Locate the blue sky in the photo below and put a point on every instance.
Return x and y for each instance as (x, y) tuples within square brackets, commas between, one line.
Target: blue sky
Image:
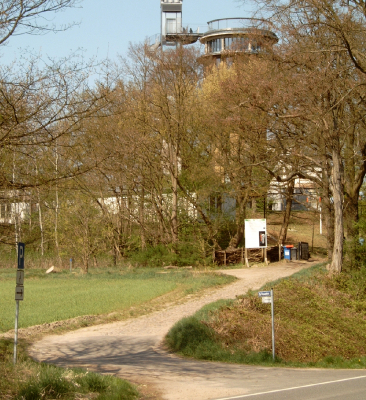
[(106, 27)]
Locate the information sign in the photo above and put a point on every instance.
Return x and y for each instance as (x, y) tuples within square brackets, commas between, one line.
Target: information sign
[(266, 293), (255, 233), (267, 300)]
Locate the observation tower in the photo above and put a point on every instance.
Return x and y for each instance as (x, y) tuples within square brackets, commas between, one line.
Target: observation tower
[(228, 37), (172, 31), (224, 38)]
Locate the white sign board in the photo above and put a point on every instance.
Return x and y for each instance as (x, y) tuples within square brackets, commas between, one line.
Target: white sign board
[(267, 300), (20, 277), (255, 233), (19, 293)]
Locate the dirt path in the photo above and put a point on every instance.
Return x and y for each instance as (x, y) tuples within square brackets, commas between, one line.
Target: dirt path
[(131, 349)]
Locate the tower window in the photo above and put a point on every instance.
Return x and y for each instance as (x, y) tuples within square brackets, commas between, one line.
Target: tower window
[(214, 46)]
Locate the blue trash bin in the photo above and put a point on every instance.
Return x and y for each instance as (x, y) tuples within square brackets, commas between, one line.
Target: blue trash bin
[(287, 253)]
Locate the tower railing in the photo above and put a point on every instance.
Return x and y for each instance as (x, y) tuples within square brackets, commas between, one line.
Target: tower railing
[(239, 23)]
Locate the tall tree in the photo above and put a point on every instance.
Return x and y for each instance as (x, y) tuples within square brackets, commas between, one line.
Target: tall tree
[(322, 44)]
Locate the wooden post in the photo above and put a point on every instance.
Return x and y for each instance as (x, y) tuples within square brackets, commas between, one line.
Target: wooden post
[(213, 255), (225, 258), (242, 255), (265, 255), (246, 258), (279, 252)]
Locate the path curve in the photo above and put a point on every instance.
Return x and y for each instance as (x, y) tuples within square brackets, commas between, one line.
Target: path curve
[(132, 349)]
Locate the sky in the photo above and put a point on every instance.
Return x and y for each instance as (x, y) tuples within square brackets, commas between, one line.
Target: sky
[(106, 27)]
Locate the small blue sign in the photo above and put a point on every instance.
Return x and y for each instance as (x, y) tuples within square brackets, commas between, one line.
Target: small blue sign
[(264, 294), (21, 249)]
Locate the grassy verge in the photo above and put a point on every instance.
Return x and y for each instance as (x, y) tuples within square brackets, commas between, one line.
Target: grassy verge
[(63, 296), (32, 381), (320, 321)]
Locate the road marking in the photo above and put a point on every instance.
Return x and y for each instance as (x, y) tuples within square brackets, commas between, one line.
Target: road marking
[(292, 388)]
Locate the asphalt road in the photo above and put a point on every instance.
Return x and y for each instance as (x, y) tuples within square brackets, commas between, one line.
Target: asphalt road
[(343, 389)]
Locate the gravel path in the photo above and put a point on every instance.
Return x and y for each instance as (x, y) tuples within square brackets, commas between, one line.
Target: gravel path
[(132, 349)]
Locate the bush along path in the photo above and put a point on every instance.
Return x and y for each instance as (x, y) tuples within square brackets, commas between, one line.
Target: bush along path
[(133, 349)]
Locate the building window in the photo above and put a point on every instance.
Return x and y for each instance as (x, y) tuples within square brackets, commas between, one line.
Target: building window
[(228, 43), (214, 46), (215, 204), (5, 211)]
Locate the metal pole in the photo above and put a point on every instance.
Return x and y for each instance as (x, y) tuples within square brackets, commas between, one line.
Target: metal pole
[(273, 330), (70, 264), (16, 331)]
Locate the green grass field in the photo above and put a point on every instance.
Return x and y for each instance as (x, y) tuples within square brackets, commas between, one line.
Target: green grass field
[(61, 296)]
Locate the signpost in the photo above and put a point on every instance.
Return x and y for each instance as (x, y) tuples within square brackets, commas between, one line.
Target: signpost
[(267, 297), (19, 293)]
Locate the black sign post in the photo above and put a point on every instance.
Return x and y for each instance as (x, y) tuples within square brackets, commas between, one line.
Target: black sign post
[(19, 293), (21, 248)]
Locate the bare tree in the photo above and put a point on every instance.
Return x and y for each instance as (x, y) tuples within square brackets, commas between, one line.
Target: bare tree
[(22, 17)]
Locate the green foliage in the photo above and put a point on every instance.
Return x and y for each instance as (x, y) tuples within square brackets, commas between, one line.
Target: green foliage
[(354, 254), (189, 334), (118, 390), (55, 383), (226, 230), (49, 384), (82, 229), (92, 382), (181, 254)]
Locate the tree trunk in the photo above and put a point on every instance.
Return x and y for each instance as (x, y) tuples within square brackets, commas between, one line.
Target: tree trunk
[(337, 256), (328, 213), (57, 207), (142, 218), (14, 212), (239, 219), (40, 220), (286, 218), (174, 179)]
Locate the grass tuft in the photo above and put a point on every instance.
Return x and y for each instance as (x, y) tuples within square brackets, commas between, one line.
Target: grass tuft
[(188, 335), (29, 380)]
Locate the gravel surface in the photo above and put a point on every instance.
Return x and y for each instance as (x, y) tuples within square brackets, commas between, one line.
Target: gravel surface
[(132, 349)]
